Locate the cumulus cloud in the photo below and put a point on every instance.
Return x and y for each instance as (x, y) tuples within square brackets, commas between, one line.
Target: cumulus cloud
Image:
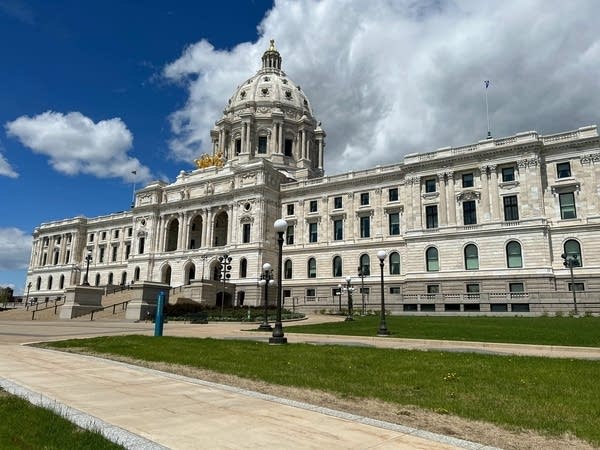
[(15, 249), (389, 77), (5, 167), (75, 144)]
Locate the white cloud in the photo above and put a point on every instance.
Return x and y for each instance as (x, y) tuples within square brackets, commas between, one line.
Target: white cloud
[(388, 78), (5, 167), (15, 249), (75, 144)]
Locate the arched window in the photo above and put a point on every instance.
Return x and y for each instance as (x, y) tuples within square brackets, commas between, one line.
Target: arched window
[(394, 263), (243, 267), (287, 270), (136, 274), (337, 266), (172, 236), (312, 268), (514, 257), (38, 283), (365, 265), (123, 278), (61, 282), (97, 280), (49, 286), (166, 274), (110, 278), (471, 257), (573, 250), (432, 259)]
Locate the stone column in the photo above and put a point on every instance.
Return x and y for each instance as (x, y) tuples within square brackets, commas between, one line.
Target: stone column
[(280, 133), (320, 153), (486, 214), (494, 193), (209, 228), (303, 144), (204, 233), (417, 203), (230, 224), (248, 139), (451, 199), (443, 213)]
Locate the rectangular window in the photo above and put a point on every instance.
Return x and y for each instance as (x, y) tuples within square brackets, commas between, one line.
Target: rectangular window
[(69, 238), (511, 207), (469, 213), (433, 288), (394, 224), (310, 292), (508, 174), (91, 239), (57, 239), (563, 170), (364, 199), (337, 203), (431, 216), (289, 235), (467, 180), (516, 287), (129, 231), (262, 144), (473, 288), (365, 227), (578, 287), (238, 146), (338, 230), (288, 147), (313, 206), (113, 257), (287, 293), (393, 194), (127, 251), (290, 209), (104, 235), (395, 290), (246, 233), (68, 257), (430, 185), (116, 234), (101, 256), (567, 206), (312, 232)]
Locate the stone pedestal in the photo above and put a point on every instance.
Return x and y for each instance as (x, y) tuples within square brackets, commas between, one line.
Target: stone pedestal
[(145, 299), (81, 300)]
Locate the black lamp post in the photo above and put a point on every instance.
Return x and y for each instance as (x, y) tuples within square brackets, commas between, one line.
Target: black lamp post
[(88, 258), (570, 262), (349, 289), (340, 287), (280, 226), (27, 296), (266, 280), (361, 274), (225, 262), (383, 331)]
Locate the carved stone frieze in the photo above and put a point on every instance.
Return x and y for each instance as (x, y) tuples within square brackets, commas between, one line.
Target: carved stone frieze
[(590, 158), (468, 195)]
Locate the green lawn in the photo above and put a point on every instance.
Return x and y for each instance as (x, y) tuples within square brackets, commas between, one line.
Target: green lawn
[(24, 426), (551, 396), (570, 331)]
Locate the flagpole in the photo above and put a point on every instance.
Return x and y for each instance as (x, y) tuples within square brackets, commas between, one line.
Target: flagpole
[(487, 110), (134, 172)]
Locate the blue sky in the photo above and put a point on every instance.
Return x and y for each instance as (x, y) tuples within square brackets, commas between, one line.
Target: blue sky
[(93, 90)]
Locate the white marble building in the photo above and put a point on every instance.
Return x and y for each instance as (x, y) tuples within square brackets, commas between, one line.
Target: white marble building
[(490, 217)]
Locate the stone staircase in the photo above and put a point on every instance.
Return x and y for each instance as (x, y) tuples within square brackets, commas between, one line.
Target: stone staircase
[(21, 313)]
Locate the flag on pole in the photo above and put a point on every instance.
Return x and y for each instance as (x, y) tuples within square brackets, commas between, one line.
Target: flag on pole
[(487, 83)]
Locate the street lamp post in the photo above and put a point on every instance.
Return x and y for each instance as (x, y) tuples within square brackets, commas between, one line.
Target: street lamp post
[(280, 226), (362, 288), (266, 280), (27, 296), (383, 331), (88, 258), (349, 289), (225, 262), (340, 287), (570, 262)]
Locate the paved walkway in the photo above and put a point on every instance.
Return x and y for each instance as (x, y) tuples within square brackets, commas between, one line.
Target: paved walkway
[(144, 408)]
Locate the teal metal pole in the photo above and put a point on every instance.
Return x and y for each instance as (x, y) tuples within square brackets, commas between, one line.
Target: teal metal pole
[(158, 320)]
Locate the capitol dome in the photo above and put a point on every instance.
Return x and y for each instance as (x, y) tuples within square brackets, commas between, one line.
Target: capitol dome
[(270, 117), (270, 87)]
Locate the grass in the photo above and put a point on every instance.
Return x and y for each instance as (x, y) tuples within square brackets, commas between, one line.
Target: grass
[(25, 426), (569, 331), (552, 396)]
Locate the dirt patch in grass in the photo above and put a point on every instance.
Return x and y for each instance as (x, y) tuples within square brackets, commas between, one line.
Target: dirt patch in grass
[(480, 432)]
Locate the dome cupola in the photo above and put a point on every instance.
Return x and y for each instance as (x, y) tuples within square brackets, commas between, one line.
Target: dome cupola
[(271, 60)]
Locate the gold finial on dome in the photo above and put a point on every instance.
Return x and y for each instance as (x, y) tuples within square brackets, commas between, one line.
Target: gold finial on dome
[(272, 46), (271, 58)]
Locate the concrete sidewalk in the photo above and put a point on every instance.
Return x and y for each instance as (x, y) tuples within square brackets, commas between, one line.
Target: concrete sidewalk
[(184, 413)]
